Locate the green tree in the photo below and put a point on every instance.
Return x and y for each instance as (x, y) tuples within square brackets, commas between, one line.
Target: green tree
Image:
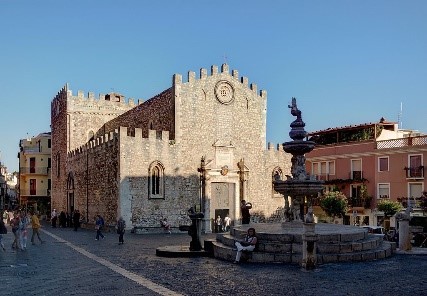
[(389, 207), (334, 203)]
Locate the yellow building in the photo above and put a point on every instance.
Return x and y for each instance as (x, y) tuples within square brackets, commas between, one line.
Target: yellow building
[(35, 172)]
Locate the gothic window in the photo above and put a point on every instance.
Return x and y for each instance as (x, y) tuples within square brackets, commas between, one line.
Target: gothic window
[(156, 180), (70, 181), (277, 174)]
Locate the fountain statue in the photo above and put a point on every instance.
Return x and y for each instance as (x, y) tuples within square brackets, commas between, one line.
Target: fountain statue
[(300, 187), (297, 240)]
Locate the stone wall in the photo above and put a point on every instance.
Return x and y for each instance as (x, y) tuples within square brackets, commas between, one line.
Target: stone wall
[(94, 169), (219, 116), (156, 113)]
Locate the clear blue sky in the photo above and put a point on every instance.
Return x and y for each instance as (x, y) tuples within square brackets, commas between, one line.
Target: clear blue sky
[(346, 62)]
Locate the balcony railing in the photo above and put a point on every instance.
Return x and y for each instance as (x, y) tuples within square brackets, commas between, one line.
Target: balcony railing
[(402, 142), (364, 202), (35, 170), (415, 202), (30, 192), (356, 175), (415, 172), (322, 177)]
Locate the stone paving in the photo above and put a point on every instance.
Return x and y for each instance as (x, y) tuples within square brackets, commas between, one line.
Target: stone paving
[(73, 263)]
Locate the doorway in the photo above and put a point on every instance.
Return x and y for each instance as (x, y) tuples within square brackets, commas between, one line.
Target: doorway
[(222, 213)]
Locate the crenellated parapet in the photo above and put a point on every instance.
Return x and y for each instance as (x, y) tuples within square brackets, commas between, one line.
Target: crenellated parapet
[(203, 74), (274, 147), (62, 93), (103, 101), (89, 102), (122, 134), (107, 140)]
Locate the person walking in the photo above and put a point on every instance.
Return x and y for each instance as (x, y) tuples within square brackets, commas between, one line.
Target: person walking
[(54, 217), (218, 224), (3, 230), (99, 223), (227, 223), (35, 225), (23, 231), (14, 223), (121, 225), (76, 219)]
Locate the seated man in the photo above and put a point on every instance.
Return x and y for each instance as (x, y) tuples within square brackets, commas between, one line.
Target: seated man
[(165, 225), (248, 244)]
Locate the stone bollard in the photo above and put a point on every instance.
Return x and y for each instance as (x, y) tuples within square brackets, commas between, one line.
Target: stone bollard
[(404, 231), (404, 235), (309, 246)]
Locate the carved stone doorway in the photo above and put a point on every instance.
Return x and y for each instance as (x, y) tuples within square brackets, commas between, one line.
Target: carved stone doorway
[(223, 199)]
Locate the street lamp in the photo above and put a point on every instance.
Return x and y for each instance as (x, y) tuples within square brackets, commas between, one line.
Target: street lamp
[(2, 191)]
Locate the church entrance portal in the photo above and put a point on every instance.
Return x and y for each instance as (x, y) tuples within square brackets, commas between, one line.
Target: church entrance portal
[(223, 196)]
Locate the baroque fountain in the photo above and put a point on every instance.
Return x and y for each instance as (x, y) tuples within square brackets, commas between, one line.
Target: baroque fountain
[(298, 240)]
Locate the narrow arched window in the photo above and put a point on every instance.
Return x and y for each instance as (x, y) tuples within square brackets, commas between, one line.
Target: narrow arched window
[(156, 180)]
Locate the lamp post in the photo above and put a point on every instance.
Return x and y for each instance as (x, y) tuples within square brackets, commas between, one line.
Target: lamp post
[(2, 191)]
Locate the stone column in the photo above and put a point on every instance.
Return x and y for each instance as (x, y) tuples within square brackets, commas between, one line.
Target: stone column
[(404, 232), (309, 246), (404, 235)]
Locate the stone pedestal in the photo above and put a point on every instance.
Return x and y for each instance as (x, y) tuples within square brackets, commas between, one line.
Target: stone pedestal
[(404, 235), (309, 246)]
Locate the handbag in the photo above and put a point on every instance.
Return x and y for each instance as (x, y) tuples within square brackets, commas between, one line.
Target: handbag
[(97, 227)]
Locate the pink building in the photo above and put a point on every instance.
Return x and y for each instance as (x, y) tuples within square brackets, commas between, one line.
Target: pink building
[(370, 162)]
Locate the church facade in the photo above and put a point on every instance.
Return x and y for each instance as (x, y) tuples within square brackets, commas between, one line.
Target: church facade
[(200, 143)]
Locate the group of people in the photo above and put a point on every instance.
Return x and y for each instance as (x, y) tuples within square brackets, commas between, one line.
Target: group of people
[(20, 222), (65, 219), (222, 225), (120, 228)]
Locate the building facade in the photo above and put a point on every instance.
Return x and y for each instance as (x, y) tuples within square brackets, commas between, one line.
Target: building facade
[(35, 172), (200, 143), (370, 162)]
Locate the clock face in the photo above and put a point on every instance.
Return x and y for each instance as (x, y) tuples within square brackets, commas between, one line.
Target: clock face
[(224, 92)]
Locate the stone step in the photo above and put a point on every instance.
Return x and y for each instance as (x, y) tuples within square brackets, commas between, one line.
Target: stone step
[(267, 244), (228, 253)]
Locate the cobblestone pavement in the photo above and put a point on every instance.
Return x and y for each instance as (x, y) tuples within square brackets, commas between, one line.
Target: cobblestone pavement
[(73, 263)]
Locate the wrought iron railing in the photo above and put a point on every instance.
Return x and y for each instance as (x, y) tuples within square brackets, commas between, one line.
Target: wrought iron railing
[(35, 170), (360, 202), (414, 172), (31, 192)]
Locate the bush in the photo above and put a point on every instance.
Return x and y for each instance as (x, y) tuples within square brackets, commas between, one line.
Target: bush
[(334, 203), (389, 207)]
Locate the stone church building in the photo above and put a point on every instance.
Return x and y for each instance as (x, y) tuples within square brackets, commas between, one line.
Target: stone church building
[(200, 143)]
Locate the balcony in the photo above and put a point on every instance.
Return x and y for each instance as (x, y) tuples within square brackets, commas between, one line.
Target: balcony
[(356, 175), (416, 172), (322, 177), (31, 192), (45, 171), (360, 202), (415, 202)]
